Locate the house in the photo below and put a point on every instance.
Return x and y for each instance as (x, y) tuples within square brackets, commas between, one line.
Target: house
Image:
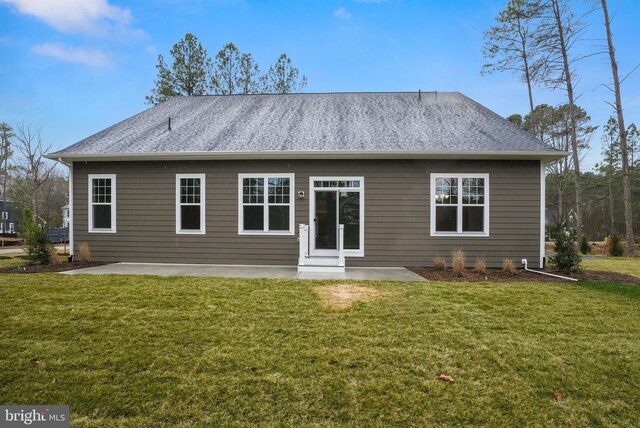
[(10, 216), (314, 180), (66, 219)]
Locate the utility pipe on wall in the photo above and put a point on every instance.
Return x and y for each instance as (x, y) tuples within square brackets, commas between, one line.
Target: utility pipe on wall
[(524, 262)]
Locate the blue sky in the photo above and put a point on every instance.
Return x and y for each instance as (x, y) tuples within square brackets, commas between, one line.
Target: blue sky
[(75, 67)]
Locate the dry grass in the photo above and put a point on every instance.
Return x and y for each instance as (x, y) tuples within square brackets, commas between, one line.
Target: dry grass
[(507, 266), (84, 253), (457, 263), (480, 266), (439, 263), (54, 257), (342, 296)]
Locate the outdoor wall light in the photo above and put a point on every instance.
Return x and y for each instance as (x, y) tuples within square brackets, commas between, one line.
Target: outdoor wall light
[(301, 194)]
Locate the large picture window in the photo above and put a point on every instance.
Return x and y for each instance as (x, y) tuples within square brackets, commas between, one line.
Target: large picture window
[(460, 204), (102, 203), (190, 203), (265, 204)]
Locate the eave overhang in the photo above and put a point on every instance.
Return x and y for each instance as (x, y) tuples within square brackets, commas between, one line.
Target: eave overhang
[(272, 155)]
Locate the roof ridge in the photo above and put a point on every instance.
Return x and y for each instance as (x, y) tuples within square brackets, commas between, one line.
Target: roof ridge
[(318, 93)]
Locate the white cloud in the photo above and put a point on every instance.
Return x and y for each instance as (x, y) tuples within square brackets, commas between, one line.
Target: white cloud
[(342, 13), (91, 57), (92, 17)]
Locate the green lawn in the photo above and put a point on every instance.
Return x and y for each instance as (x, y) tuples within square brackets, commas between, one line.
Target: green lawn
[(20, 259), (12, 260), (613, 264), (133, 351)]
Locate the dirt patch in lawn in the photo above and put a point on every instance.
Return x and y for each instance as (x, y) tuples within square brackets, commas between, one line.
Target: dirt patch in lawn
[(497, 275), (342, 296), (62, 267)]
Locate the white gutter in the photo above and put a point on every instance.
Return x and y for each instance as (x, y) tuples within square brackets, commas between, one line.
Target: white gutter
[(283, 154), (524, 262)]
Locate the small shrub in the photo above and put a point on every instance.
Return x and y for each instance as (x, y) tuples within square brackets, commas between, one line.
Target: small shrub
[(457, 262), (35, 237), (507, 266), (616, 247), (439, 263), (54, 258), (480, 266), (84, 253), (585, 248), (567, 257)]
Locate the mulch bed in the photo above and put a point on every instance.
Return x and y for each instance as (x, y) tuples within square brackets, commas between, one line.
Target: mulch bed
[(62, 267), (497, 275), (432, 274)]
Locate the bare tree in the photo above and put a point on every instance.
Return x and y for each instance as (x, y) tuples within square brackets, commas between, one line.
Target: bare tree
[(54, 196), (32, 166), (510, 45), (6, 134), (559, 31), (553, 126), (624, 150)]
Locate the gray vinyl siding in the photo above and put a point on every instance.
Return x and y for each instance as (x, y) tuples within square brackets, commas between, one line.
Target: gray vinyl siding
[(396, 199)]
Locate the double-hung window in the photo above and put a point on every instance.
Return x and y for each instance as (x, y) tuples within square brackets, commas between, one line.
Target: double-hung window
[(460, 204), (190, 204), (265, 204), (102, 203)]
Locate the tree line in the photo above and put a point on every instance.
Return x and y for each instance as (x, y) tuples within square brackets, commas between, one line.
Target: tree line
[(192, 72), (27, 178), (536, 40)]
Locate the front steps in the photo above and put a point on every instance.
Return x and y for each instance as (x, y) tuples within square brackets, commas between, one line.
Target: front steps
[(321, 264)]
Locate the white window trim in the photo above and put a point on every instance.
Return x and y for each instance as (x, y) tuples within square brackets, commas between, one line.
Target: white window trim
[(459, 233), (292, 199), (312, 209), (202, 204), (112, 229)]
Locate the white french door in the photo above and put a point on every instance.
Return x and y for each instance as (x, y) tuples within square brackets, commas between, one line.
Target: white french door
[(335, 201)]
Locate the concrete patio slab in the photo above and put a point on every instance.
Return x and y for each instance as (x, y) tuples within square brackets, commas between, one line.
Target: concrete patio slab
[(246, 271)]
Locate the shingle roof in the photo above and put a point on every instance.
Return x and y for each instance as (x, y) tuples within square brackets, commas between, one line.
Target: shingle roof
[(340, 123)]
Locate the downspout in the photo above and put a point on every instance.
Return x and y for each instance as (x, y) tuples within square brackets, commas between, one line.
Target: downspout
[(524, 262), (543, 212), (71, 220)]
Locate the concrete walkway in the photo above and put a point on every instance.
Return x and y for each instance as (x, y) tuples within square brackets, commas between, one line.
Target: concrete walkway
[(246, 271)]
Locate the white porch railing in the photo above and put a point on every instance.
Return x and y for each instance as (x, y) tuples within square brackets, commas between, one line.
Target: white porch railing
[(341, 245), (303, 239)]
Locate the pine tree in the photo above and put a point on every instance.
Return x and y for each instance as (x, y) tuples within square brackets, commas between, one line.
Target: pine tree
[(189, 73)]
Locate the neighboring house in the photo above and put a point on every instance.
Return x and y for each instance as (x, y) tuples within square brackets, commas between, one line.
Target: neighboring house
[(10, 217), (376, 179), (66, 218)]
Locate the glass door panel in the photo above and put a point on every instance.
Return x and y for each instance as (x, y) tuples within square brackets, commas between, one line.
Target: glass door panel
[(349, 216), (326, 224)]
